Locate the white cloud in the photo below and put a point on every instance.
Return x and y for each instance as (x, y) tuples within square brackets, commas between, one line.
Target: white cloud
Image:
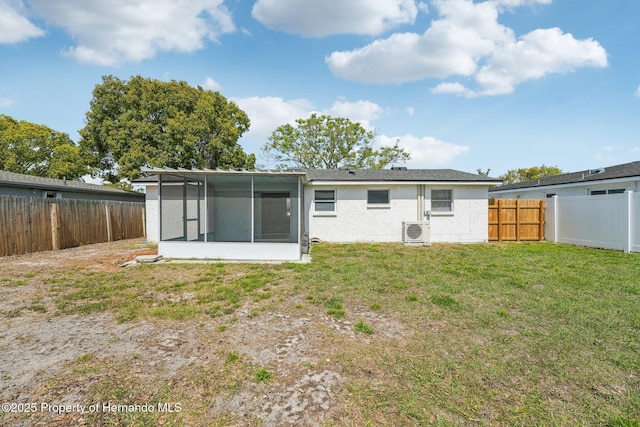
[(14, 26), (363, 112), (515, 3), (211, 84), (466, 36), (119, 31), (410, 111), (7, 102), (268, 113), (535, 55), (638, 92), (319, 18), (452, 45), (453, 89), (425, 151)]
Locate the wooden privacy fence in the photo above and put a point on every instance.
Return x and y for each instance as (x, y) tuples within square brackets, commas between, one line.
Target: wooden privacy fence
[(34, 224), (516, 220)]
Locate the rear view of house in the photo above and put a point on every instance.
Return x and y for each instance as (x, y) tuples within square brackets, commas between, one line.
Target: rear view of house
[(265, 215), (355, 205)]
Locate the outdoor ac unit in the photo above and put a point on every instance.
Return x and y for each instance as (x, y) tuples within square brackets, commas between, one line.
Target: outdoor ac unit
[(416, 232)]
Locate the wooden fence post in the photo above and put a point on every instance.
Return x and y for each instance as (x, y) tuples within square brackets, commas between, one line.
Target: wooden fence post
[(109, 233), (517, 220), (499, 220), (55, 227), (541, 218)]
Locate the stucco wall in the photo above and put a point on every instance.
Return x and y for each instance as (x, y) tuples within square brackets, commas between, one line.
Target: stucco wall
[(469, 221), (354, 221)]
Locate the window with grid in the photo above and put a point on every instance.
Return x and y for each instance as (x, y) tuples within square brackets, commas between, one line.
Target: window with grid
[(325, 200), (442, 200)]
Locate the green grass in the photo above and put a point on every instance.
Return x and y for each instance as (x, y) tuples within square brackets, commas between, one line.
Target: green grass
[(262, 375), (216, 290), (363, 328), (500, 334), (513, 334)]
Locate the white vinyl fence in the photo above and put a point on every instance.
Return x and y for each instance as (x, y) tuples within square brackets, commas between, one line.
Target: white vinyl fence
[(609, 221)]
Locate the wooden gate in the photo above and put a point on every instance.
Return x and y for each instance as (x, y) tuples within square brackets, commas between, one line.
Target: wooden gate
[(516, 220)]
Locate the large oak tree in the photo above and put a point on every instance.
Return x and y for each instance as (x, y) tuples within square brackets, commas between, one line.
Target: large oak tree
[(142, 122), (325, 142), (35, 149)]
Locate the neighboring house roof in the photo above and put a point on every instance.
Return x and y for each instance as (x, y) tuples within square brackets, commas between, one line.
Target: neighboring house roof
[(12, 179), (626, 170), (345, 175)]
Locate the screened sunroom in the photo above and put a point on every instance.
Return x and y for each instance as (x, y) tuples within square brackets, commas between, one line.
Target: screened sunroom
[(235, 214)]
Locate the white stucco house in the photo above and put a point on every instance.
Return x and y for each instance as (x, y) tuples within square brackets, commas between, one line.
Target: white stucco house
[(592, 182), (273, 215)]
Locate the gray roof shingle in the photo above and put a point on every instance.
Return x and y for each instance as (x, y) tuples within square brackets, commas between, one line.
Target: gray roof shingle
[(348, 175), (393, 175), (625, 170), (22, 180)]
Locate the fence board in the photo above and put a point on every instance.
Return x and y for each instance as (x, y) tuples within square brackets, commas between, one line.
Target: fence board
[(516, 220), (26, 223)]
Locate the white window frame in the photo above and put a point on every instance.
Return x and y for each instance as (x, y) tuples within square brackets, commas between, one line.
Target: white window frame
[(327, 201), (451, 201), (379, 205), (609, 191)]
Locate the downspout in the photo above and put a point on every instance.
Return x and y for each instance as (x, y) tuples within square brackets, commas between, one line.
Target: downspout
[(420, 189)]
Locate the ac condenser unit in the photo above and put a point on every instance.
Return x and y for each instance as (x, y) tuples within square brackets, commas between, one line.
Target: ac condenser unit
[(416, 232)]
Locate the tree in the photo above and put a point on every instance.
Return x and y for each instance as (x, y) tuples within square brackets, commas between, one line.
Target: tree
[(325, 142), (149, 123), (529, 174), (35, 149)]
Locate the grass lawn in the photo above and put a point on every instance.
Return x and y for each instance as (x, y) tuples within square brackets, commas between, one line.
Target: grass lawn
[(498, 334)]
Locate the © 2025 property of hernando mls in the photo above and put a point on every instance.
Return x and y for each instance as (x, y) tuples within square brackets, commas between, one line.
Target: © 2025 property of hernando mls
[(273, 215)]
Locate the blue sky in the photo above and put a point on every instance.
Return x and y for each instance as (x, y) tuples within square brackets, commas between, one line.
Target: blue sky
[(462, 84)]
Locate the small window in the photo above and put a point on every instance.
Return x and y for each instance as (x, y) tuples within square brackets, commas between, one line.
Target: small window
[(52, 195), (598, 192), (550, 195), (442, 200), (616, 191), (325, 200), (378, 197)]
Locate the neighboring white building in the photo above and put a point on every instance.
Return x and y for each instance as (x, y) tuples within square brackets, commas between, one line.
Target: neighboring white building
[(608, 180), (263, 215)]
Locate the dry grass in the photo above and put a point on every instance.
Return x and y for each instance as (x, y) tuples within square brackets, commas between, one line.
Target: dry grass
[(501, 334)]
